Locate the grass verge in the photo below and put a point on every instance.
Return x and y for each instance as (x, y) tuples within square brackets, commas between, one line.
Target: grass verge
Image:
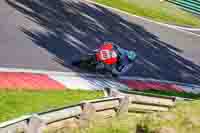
[(184, 118), (17, 103), (156, 10), (161, 93), (173, 93)]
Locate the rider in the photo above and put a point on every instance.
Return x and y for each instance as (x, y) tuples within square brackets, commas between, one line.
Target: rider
[(113, 58)]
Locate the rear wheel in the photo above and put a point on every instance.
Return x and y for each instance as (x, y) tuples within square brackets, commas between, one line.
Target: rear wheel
[(87, 62)]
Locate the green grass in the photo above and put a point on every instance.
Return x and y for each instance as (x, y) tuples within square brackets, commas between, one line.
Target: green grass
[(156, 10), (173, 93), (17, 103), (184, 118), (161, 93)]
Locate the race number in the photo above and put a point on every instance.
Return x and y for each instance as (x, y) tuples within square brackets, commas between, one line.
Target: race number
[(106, 54)]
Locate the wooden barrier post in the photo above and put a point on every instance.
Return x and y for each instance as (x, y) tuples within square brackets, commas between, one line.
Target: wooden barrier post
[(36, 125), (123, 106), (87, 114), (109, 92), (123, 101)]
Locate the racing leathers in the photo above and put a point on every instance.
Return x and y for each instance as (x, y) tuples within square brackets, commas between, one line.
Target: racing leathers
[(115, 59)]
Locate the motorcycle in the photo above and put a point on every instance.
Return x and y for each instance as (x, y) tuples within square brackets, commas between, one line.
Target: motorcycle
[(89, 63)]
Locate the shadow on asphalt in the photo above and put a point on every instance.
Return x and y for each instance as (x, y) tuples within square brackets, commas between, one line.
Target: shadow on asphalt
[(72, 28)]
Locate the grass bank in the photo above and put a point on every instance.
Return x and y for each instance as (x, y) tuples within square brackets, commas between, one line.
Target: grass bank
[(17, 103), (156, 10), (163, 93), (173, 93), (184, 118)]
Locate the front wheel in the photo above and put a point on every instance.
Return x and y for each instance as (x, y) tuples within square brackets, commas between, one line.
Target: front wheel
[(124, 70)]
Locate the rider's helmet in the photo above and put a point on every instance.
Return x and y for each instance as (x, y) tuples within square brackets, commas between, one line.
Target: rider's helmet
[(131, 55)]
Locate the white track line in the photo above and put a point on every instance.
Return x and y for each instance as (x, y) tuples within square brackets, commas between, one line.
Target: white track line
[(47, 72), (178, 28)]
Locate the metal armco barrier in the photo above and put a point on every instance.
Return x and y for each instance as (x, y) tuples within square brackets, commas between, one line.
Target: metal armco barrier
[(188, 5), (115, 103)]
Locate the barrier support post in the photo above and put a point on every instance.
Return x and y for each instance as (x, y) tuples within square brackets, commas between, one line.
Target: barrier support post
[(36, 125), (123, 106), (87, 114)]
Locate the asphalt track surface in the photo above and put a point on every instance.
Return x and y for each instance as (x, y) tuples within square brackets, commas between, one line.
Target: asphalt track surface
[(47, 34)]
